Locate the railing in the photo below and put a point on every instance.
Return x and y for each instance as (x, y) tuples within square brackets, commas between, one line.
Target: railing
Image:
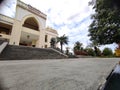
[(2, 46), (31, 31)]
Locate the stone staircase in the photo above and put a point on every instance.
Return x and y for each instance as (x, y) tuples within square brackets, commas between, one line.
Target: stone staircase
[(13, 52)]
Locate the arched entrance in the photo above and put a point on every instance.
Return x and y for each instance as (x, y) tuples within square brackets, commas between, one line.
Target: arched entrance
[(30, 32), (31, 23)]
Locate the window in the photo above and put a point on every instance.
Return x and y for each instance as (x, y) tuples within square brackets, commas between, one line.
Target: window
[(46, 38)]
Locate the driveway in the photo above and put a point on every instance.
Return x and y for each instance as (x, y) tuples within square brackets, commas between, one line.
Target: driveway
[(60, 74)]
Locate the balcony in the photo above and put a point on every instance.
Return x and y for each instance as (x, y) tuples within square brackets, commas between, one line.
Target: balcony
[(4, 36), (6, 20), (30, 31)]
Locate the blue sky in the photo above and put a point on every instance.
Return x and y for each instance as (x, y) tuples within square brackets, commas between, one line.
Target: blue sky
[(69, 17)]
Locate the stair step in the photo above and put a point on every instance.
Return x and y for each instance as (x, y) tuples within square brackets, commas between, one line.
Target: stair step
[(13, 52)]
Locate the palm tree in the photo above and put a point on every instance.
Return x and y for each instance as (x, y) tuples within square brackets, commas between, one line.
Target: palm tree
[(78, 46), (63, 40)]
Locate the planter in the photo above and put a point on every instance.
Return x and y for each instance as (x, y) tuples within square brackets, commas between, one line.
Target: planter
[(80, 53), (117, 52)]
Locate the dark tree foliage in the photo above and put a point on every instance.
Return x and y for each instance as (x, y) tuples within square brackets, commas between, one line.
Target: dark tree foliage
[(53, 42), (78, 46), (105, 28), (90, 51)]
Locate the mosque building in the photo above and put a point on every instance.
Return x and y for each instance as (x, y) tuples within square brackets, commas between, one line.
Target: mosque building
[(27, 28)]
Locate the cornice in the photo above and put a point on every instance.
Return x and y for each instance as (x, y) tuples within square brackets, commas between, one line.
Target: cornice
[(31, 9)]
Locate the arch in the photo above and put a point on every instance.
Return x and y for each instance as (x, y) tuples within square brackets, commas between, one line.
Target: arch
[(31, 23), (31, 16), (30, 37)]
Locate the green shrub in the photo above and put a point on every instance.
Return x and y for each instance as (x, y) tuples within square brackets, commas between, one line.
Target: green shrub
[(107, 52), (90, 51)]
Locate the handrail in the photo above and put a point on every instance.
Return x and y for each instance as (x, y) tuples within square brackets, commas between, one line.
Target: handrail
[(59, 52), (2, 46)]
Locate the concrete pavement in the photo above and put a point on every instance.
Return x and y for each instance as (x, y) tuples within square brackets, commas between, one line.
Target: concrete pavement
[(60, 74)]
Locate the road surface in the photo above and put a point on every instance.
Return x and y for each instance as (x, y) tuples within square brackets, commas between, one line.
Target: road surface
[(61, 74)]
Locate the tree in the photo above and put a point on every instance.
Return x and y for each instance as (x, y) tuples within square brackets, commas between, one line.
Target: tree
[(90, 51), (53, 42), (107, 52), (63, 40), (78, 46), (105, 28), (93, 44), (97, 51), (67, 50)]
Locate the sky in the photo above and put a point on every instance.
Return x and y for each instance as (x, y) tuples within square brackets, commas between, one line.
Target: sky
[(69, 17)]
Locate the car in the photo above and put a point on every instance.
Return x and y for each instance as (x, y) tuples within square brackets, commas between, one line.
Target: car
[(113, 80)]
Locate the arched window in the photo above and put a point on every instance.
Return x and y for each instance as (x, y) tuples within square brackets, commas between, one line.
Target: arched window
[(31, 23)]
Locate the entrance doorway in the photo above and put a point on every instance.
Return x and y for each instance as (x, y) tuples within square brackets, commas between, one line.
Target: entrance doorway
[(30, 32)]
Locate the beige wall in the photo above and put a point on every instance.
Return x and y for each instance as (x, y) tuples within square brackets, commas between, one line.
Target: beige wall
[(50, 35), (16, 33), (21, 16)]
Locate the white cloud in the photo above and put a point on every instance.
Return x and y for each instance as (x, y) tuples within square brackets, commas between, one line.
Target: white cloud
[(112, 46), (7, 7), (67, 17)]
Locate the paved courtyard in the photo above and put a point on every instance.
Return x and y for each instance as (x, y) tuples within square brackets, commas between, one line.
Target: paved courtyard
[(64, 74)]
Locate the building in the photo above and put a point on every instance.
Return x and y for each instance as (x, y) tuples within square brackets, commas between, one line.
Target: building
[(28, 28)]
